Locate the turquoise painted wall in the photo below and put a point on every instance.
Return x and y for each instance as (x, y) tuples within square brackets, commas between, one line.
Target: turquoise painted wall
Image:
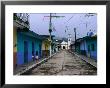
[(20, 47)]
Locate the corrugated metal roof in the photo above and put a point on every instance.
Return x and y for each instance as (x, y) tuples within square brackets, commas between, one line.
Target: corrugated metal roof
[(32, 34), (86, 38)]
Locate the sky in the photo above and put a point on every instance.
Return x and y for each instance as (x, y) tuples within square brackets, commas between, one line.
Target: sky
[(83, 23)]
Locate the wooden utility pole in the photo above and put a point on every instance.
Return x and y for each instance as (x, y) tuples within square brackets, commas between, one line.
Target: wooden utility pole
[(50, 28)]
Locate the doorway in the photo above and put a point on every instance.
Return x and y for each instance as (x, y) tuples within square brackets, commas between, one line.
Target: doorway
[(33, 48), (63, 47), (25, 51), (33, 54)]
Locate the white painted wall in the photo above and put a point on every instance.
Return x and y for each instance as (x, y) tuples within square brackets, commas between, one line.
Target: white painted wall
[(64, 44)]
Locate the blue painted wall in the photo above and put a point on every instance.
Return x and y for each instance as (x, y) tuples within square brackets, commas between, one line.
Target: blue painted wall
[(84, 46), (21, 37), (93, 53)]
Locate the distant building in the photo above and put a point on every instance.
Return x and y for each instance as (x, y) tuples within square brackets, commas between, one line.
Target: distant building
[(57, 42), (72, 47), (57, 45), (64, 43), (69, 41)]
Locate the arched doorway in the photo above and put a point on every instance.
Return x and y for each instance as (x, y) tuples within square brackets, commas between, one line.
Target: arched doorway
[(63, 47)]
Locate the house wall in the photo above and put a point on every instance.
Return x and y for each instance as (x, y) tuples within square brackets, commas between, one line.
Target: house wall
[(64, 44), (20, 47), (47, 47), (84, 46), (14, 45), (93, 54), (14, 39)]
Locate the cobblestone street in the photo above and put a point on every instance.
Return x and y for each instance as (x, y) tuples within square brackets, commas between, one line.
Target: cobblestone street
[(64, 63)]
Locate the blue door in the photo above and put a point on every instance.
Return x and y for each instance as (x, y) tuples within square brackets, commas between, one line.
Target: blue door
[(33, 48), (33, 51), (25, 51)]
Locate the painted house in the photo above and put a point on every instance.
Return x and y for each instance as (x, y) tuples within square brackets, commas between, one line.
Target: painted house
[(64, 43), (45, 48), (87, 46), (46, 45), (29, 46), (20, 21)]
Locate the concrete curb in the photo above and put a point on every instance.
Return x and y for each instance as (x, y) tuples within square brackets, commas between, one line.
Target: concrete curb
[(34, 65), (84, 59)]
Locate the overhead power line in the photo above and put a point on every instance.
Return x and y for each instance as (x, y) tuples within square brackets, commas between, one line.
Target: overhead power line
[(69, 19)]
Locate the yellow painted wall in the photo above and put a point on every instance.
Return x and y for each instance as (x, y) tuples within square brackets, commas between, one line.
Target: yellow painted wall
[(14, 39), (44, 43), (14, 48)]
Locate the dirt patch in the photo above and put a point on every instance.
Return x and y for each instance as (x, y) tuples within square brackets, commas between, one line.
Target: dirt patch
[(70, 66)]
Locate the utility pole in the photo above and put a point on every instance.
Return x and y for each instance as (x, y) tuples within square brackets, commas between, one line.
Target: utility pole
[(50, 29), (75, 38)]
